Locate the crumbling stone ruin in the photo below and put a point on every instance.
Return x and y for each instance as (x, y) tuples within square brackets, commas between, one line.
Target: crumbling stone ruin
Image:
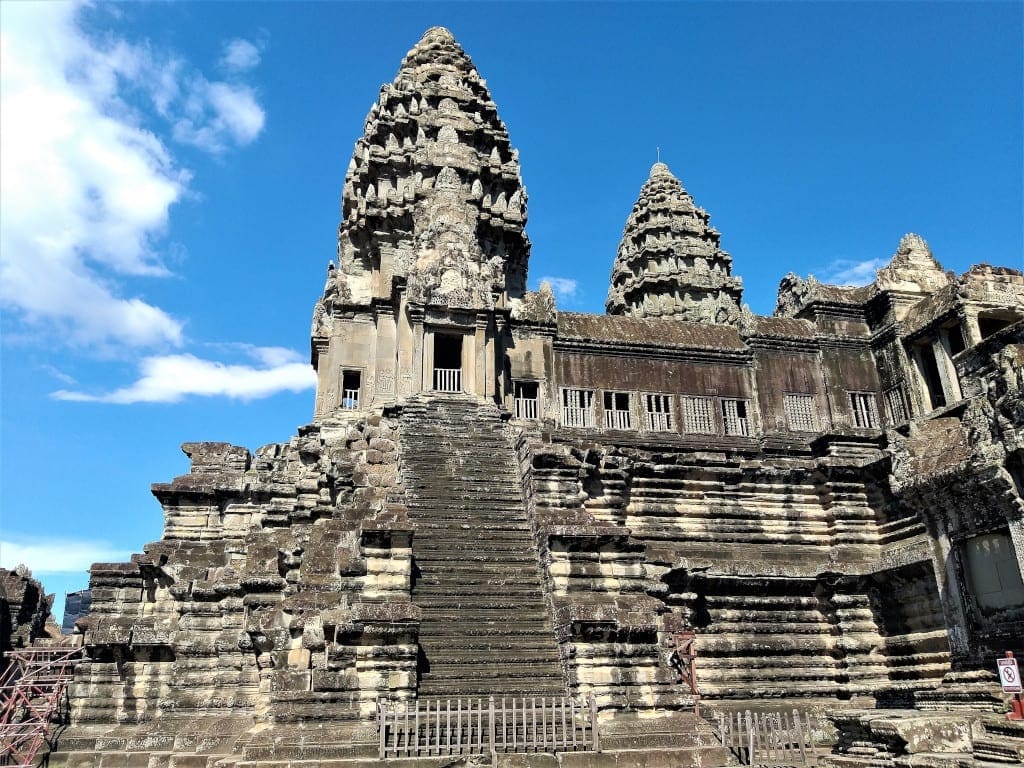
[(24, 610), (495, 497)]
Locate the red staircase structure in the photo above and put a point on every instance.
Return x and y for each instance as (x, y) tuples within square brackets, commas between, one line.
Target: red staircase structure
[(32, 691)]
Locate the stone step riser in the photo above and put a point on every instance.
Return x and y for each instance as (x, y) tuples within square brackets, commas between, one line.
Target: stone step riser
[(485, 620)]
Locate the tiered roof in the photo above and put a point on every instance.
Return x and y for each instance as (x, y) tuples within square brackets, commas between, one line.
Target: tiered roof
[(433, 193), (669, 262)]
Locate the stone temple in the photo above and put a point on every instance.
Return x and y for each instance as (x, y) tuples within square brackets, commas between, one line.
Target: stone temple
[(496, 498)]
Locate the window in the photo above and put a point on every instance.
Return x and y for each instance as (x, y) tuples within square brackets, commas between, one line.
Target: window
[(801, 413), (955, 335), (865, 414), (659, 412), (993, 322), (578, 407), (895, 405), (734, 417), (993, 574), (525, 399), (698, 414), (616, 410), (350, 381)]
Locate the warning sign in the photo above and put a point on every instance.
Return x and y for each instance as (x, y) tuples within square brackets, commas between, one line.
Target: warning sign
[(1009, 675)]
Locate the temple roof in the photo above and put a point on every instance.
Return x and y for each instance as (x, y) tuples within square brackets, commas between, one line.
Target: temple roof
[(668, 332), (912, 268), (433, 194), (669, 263)]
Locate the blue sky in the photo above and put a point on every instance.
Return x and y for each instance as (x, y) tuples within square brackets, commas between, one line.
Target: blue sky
[(172, 172)]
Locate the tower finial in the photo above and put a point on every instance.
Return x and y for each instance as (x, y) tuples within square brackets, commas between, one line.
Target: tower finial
[(659, 153)]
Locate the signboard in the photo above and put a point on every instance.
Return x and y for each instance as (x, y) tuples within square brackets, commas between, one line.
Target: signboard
[(1009, 675)]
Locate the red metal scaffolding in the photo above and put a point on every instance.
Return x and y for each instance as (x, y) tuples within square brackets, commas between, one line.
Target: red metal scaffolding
[(32, 691)]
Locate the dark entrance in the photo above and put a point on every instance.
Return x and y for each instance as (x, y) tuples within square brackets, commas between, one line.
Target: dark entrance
[(447, 362), (932, 379)]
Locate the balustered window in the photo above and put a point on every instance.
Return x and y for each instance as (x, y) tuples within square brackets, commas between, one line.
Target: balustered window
[(895, 405), (616, 410), (659, 412), (526, 400), (698, 414), (734, 417), (350, 389), (865, 413), (578, 407), (801, 412)]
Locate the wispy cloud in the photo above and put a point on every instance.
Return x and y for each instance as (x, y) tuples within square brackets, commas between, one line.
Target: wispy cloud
[(171, 378), (58, 374), (565, 288), (217, 116), (86, 183), (851, 272), (240, 55), (57, 555)]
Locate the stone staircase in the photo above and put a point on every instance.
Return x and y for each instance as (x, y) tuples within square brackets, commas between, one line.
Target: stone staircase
[(486, 628)]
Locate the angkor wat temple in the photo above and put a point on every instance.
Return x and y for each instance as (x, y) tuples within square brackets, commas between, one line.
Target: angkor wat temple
[(496, 498)]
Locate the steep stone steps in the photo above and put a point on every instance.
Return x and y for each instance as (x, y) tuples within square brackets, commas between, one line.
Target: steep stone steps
[(485, 626)]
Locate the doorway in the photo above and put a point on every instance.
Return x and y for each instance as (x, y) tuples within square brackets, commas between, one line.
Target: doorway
[(447, 362)]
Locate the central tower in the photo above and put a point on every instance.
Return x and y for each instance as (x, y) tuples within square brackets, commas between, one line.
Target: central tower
[(432, 249)]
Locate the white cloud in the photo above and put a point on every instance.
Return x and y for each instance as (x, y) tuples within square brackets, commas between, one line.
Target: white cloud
[(850, 272), (171, 378), (217, 112), (86, 184), (57, 555), (239, 55), (564, 287), (58, 374)]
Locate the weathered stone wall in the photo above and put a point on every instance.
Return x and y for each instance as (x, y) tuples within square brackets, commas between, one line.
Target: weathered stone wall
[(776, 564), (280, 590), (24, 610)]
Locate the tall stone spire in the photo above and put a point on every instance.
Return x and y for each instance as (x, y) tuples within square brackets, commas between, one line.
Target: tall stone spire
[(669, 262), (433, 197)]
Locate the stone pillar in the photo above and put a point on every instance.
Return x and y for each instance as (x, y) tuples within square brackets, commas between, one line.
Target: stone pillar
[(471, 351), (418, 353), (970, 327), (1016, 528), (947, 579), (426, 341), (406, 342), (947, 373), (914, 386), (498, 360), (323, 367), (383, 373), (483, 348)]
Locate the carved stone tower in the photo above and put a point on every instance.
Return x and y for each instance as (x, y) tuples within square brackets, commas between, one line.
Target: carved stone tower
[(669, 262), (432, 247)]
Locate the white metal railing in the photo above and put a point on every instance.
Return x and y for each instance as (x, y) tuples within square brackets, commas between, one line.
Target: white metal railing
[(350, 399), (447, 379), (615, 419), (526, 408), (419, 728), (767, 738)]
